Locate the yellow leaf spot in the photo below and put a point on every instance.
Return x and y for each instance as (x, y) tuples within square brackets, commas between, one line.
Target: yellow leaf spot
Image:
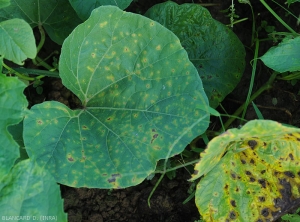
[(152, 24), (86, 42), (126, 49), (93, 55), (111, 78), (158, 47), (103, 24), (133, 35), (90, 69), (106, 68)]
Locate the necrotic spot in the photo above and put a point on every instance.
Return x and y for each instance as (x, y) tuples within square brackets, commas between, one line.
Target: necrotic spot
[(289, 174), (265, 212), (252, 143)]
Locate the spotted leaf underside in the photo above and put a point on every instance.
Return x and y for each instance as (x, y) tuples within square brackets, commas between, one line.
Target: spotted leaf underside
[(140, 100), (214, 49), (258, 178)]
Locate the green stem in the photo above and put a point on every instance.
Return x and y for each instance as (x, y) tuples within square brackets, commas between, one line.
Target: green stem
[(252, 78), (278, 18), (154, 188), (41, 62), (266, 86), (21, 76), (42, 41), (177, 167)]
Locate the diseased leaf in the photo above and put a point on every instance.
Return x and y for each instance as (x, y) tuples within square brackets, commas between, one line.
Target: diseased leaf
[(284, 57), (139, 94), (214, 49), (258, 178), (13, 107), (84, 8), (31, 193), (17, 42), (57, 17)]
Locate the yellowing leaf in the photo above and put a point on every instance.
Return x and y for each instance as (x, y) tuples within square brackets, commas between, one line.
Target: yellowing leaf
[(258, 178)]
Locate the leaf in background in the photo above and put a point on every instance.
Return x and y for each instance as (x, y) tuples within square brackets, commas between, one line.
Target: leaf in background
[(284, 57), (57, 17), (17, 132), (139, 93), (84, 8), (214, 49), (4, 3), (17, 42), (31, 192), (258, 179), (13, 107)]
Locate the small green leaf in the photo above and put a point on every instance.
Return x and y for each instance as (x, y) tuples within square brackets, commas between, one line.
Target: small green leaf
[(284, 57), (17, 42), (140, 96), (258, 177), (13, 107), (31, 193), (84, 8), (214, 49), (57, 17)]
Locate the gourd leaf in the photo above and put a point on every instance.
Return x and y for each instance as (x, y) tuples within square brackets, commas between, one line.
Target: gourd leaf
[(139, 93), (284, 57), (57, 17), (13, 105), (257, 179), (214, 49), (84, 8), (30, 193), (17, 42)]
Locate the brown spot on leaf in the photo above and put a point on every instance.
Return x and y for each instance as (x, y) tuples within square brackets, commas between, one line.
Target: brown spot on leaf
[(252, 161), (232, 215), (154, 137), (262, 199), (233, 175), (262, 183), (291, 156), (232, 202), (195, 172), (262, 172), (70, 159), (243, 161), (252, 143), (265, 212), (248, 172), (113, 178), (252, 179), (289, 174)]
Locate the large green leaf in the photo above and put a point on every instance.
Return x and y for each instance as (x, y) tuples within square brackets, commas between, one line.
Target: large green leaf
[(29, 193), (214, 49), (84, 8), (17, 42), (56, 16), (139, 93), (258, 179), (13, 106), (284, 57)]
